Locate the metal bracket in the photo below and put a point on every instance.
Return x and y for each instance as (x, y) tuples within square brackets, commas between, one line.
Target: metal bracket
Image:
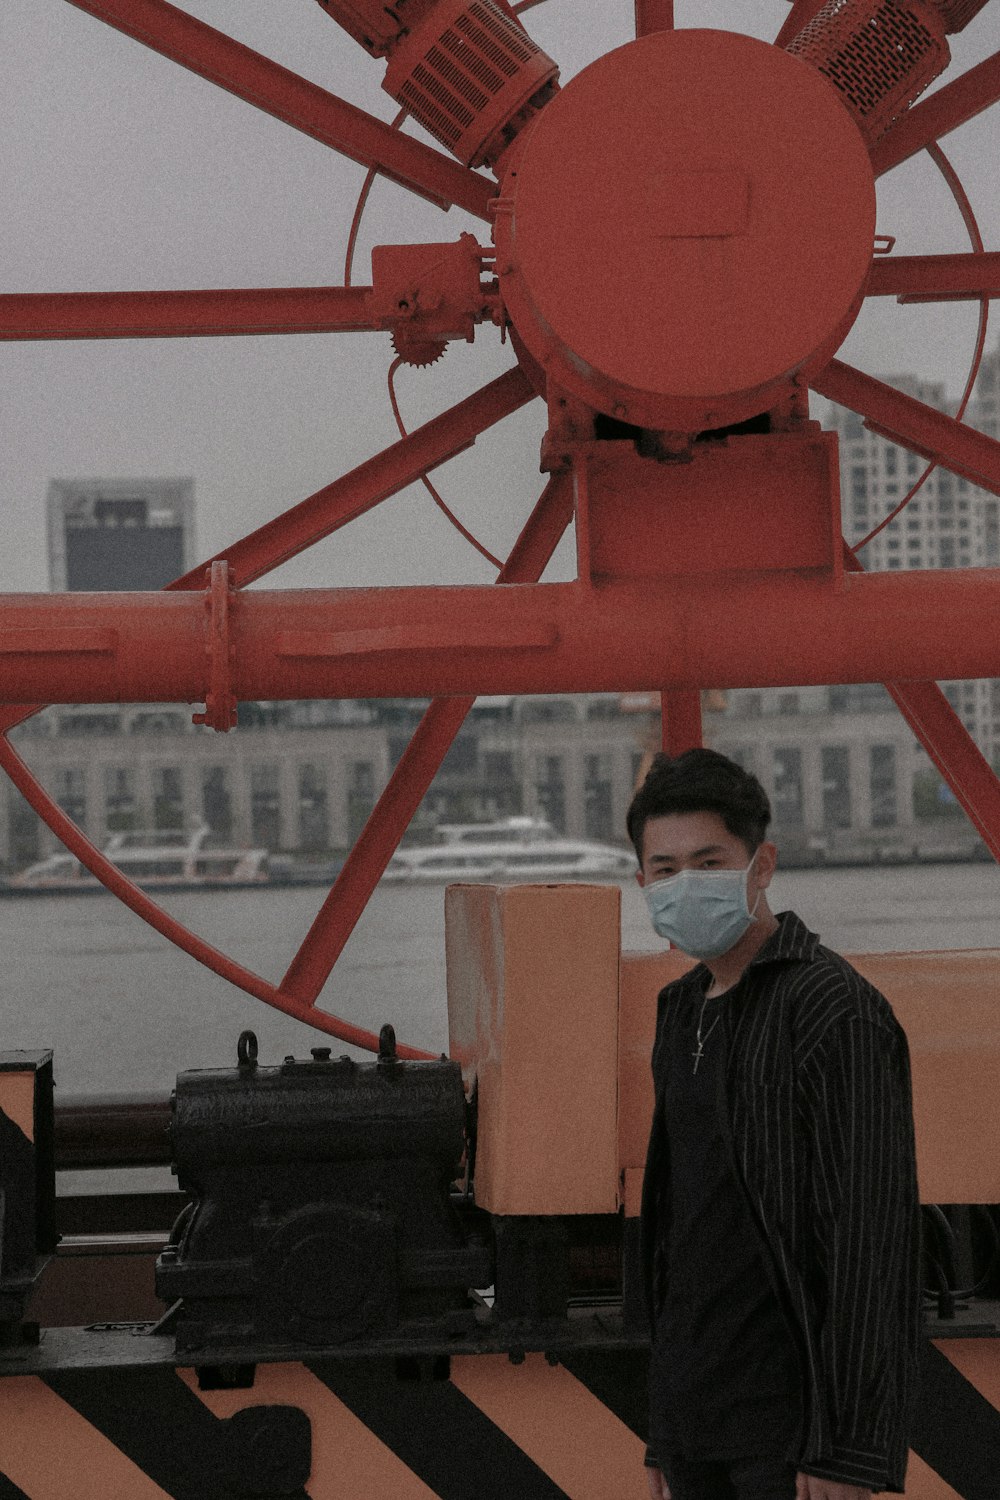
[(220, 704)]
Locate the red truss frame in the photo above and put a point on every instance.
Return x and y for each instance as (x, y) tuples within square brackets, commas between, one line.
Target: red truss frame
[(817, 616)]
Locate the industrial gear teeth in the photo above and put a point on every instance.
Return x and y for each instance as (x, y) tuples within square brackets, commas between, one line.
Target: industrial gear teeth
[(416, 351)]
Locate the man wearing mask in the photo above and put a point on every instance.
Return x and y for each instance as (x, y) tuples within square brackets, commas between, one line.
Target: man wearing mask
[(780, 1215)]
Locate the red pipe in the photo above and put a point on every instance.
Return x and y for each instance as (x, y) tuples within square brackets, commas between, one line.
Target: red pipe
[(749, 630), (198, 314)]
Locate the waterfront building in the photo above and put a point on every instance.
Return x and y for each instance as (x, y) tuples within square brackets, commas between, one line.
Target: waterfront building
[(113, 534)]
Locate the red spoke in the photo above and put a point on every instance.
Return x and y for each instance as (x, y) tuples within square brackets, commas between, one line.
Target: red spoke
[(942, 112), (304, 105), (914, 424), (412, 777), (137, 900), (936, 278), (801, 13), (653, 15), (369, 484), (949, 745), (195, 314)]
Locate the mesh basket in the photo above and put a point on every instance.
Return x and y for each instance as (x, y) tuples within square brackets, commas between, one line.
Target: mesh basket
[(880, 54)]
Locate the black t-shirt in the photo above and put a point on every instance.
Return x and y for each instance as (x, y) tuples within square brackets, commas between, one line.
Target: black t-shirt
[(724, 1380)]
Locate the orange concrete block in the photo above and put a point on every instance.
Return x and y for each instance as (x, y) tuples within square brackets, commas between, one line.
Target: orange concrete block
[(949, 1006), (533, 1014)]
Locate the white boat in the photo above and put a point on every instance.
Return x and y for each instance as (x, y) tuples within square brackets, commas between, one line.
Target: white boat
[(512, 849), (154, 860)]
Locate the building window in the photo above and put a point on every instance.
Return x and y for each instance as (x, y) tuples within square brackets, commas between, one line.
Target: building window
[(168, 798), (882, 782), (265, 805), (24, 829), (360, 796), (314, 811), (787, 801), (69, 789), (217, 801), (788, 703), (836, 773), (550, 790), (891, 459), (121, 807), (597, 810)]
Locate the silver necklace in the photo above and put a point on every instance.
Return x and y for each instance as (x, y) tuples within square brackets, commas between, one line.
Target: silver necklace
[(701, 1040)]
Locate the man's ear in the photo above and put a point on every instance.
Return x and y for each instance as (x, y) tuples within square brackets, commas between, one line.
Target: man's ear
[(765, 863)]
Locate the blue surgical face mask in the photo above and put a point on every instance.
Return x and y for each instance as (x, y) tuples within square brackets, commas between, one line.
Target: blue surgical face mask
[(702, 912)]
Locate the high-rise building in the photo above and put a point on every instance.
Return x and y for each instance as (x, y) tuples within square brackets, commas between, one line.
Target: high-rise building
[(111, 534)]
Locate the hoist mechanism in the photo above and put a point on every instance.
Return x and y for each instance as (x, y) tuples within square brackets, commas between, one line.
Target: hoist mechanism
[(464, 69)]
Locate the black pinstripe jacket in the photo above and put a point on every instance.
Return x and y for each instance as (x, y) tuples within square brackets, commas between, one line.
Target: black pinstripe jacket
[(817, 1113)]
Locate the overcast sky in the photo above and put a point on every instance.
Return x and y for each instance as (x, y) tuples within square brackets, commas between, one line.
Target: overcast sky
[(121, 170)]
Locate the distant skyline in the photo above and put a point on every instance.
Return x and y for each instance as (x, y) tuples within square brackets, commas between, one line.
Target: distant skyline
[(124, 171)]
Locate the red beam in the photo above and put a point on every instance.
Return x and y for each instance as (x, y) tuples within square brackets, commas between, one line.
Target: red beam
[(138, 901), (942, 112), (198, 314), (414, 773), (680, 720), (917, 426), (304, 105), (369, 484), (935, 278), (653, 15), (567, 637)]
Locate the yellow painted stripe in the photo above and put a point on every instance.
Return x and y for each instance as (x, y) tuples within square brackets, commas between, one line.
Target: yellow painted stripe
[(52, 1453), (563, 1427), (348, 1459), (922, 1483)]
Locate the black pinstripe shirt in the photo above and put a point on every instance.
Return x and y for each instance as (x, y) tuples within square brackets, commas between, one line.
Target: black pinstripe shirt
[(817, 1114)]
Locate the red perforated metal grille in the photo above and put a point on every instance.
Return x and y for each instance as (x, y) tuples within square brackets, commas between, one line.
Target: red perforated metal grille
[(880, 54), (476, 64)]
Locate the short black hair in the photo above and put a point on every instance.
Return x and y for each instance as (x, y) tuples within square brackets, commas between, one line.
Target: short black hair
[(701, 781)]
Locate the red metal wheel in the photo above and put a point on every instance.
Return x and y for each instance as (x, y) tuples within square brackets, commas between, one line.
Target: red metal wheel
[(683, 239)]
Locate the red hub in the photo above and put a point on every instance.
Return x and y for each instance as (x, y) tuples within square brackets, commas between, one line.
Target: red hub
[(689, 223)]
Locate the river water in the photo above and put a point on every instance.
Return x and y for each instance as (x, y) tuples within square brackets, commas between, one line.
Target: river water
[(125, 1010)]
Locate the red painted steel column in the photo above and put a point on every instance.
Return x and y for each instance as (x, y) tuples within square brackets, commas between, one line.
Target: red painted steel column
[(414, 773), (680, 720), (304, 105), (653, 15), (195, 314)]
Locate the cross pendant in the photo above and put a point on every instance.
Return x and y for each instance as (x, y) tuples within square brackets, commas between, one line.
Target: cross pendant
[(697, 1056)]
